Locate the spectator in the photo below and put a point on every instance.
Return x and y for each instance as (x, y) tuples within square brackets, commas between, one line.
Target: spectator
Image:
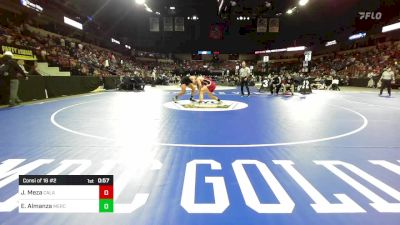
[(13, 71)]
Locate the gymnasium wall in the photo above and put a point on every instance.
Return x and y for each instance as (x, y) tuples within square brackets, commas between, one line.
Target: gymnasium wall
[(36, 87)]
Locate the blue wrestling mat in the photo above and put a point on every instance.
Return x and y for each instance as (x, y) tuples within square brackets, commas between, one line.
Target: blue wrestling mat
[(325, 158)]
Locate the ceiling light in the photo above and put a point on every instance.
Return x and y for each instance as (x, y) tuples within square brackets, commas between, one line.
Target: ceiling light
[(240, 18), (391, 27), (278, 50), (115, 41), (158, 13), (303, 2), (293, 49), (248, 18), (140, 2), (148, 9), (172, 7), (290, 11), (330, 43), (357, 36), (188, 18)]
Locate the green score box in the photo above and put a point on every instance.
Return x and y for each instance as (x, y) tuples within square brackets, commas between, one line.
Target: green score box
[(106, 205)]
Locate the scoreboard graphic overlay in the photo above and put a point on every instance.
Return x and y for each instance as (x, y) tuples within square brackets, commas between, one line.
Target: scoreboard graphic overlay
[(65, 194)]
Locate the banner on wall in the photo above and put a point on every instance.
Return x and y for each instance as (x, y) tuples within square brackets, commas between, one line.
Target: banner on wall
[(262, 24), (216, 32), (154, 24), (179, 24), (168, 24), (274, 25), (19, 52)]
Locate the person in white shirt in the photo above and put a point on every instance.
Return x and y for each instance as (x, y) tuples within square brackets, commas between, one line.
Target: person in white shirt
[(387, 79), (21, 64), (371, 76), (244, 74), (154, 76)]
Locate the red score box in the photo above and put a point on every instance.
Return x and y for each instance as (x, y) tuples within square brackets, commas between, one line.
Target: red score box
[(106, 192)]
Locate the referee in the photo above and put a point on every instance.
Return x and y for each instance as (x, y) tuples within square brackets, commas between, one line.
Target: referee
[(387, 78), (244, 73)]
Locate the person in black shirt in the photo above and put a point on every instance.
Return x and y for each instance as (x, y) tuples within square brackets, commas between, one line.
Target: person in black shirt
[(33, 70), (306, 85), (276, 83), (265, 83), (139, 83), (187, 81), (11, 71)]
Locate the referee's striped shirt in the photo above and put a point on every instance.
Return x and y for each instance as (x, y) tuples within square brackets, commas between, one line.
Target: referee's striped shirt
[(244, 72), (387, 75)]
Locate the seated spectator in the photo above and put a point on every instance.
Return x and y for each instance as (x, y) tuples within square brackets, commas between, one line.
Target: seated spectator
[(288, 85), (33, 70), (139, 83), (335, 83)]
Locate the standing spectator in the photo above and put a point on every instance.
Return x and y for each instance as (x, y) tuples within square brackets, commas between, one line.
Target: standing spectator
[(375, 78), (43, 54), (276, 83), (12, 71), (371, 75), (335, 83), (154, 77), (328, 82)]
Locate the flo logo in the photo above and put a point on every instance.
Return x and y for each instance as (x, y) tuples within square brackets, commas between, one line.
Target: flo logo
[(370, 15)]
